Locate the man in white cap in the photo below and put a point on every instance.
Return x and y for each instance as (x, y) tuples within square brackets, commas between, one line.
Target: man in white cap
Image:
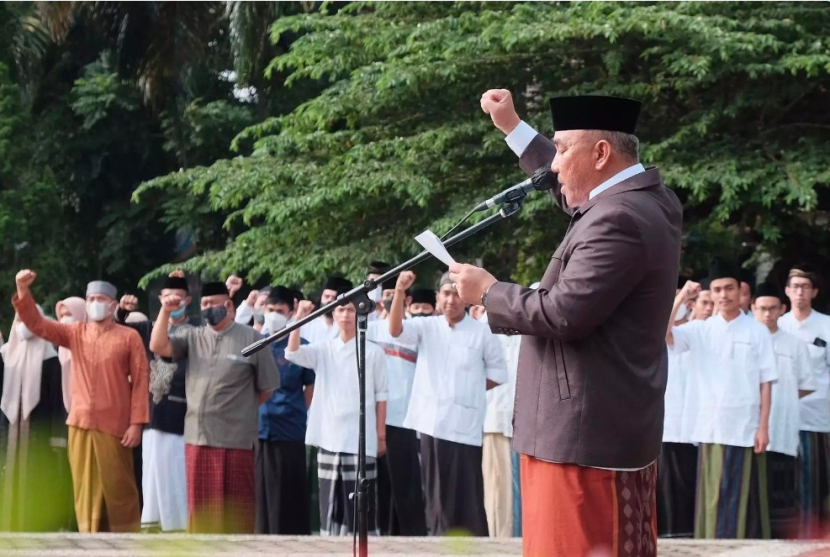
[(109, 404)]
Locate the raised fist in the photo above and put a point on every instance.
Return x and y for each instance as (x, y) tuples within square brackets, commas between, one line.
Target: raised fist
[(252, 298), (234, 283), (177, 273), (171, 303), (129, 302), (498, 103), (304, 308), (25, 278), (405, 280), (689, 291)]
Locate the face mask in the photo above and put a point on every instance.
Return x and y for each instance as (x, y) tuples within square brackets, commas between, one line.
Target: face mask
[(23, 331), (98, 311), (67, 319), (375, 294), (214, 316), (387, 304), (275, 321), (259, 316), (179, 313)]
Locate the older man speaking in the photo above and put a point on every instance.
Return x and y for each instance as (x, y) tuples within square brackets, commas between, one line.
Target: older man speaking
[(592, 366)]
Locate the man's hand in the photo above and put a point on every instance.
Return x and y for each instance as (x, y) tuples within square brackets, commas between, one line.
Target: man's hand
[(304, 308), (498, 103), (234, 283), (180, 274), (128, 302), (381, 446), (171, 303), (405, 280), (132, 438), (471, 282), (689, 291), (761, 440), (251, 299)]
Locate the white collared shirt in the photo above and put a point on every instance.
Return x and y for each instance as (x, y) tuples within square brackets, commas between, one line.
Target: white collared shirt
[(815, 407), (334, 416), (523, 134), (729, 361), (795, 373), (620, 176), (680, 400), (499, 415), (400, 370), (454, 363)]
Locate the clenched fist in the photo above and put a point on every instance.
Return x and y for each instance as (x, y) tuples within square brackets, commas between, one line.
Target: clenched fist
[(405, 280), (171, 303), (180, 274), (689, 291), (498, 103), (24, 279), (234, 283), (304, 308), (129, 302)]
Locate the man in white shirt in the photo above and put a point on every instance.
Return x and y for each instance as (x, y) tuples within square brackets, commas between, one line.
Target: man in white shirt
[(795, 380), (677, 464), (813, 328), (334, 417), (734, 366), (703, 306), (458, 360), (325, 328), (400, 494)]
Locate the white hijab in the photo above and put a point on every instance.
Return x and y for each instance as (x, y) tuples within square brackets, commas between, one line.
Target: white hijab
[(23, 361)]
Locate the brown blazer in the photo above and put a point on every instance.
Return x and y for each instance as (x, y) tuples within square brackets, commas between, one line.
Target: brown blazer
[(592, 368)]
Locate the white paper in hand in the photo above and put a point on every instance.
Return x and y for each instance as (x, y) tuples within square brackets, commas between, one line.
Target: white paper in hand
[(435, 246)]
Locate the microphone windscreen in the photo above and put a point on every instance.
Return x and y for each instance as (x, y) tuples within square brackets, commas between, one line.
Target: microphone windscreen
[(543, 178)]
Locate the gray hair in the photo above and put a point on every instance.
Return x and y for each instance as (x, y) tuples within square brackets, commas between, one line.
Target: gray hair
[(625, 144)]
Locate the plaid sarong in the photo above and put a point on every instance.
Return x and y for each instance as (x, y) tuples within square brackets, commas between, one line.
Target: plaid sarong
[(337, 473)]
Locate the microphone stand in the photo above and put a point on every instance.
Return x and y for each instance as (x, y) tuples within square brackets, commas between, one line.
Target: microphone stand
[(364, 307)]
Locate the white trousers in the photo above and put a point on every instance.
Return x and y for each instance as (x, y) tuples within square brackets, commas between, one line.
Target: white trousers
[(497, 468), (164, 483)]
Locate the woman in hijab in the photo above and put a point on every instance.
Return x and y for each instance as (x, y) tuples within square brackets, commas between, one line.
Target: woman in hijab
[(34, 480), (70, 310)]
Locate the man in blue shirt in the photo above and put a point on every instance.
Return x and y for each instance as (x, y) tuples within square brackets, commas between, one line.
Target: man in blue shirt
[(283, 497)]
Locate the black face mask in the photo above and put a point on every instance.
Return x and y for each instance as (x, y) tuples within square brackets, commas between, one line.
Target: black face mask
[(214, 316), (387, 304)]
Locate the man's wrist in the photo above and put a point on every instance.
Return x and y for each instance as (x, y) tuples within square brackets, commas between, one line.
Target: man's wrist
[(485, 294)]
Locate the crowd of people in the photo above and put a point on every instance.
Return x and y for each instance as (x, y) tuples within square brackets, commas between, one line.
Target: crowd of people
[(166, 426), (747, 416)]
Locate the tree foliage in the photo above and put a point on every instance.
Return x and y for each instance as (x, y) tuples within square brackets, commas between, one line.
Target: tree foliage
[(735, 95)]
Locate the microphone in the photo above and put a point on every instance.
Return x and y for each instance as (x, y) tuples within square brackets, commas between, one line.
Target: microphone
[(543, 179)]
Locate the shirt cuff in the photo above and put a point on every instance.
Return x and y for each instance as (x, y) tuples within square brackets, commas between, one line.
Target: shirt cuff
[(520, 138)]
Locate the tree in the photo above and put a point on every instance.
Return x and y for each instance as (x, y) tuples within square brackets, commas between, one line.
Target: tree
[(735, 115)]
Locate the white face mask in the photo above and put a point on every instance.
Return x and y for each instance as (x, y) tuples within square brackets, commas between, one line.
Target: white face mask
[(23, 331), (376, 294), (275, 321), (67, 319), (98, 311)]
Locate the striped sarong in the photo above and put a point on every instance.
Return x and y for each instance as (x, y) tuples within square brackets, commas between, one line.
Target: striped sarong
[(731, 493), (814, 485), (782, 472), (337, 477)]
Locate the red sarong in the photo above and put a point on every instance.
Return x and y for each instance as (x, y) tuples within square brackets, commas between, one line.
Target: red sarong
[(220, 490), (575, 511)]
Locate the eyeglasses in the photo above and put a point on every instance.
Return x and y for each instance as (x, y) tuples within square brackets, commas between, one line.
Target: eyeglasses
[(801, 287)]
